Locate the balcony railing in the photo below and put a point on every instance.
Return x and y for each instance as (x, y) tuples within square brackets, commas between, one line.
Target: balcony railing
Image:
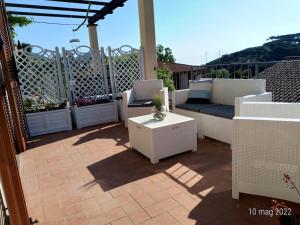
[(233, 70)]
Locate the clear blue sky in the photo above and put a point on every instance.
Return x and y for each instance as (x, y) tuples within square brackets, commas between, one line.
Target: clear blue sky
[(193, 29)]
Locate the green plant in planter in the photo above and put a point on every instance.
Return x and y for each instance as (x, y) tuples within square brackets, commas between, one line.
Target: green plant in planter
[(32, 105), (159, 112), (51, 106), (165, 74), (28, 105)]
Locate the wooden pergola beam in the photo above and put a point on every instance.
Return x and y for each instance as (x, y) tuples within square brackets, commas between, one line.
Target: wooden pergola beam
[(108, 9), (81, 2), (46, 14), (28, 6)]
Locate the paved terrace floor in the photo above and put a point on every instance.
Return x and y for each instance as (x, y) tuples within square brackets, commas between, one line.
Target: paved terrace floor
[(91, 177)]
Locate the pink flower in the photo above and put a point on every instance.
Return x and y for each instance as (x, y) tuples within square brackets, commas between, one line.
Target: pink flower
[(286, 178)]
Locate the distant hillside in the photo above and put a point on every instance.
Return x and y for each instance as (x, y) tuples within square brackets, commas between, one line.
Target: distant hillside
[(277, 48)]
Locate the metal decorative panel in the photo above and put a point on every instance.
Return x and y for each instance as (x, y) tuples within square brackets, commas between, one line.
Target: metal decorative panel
[(126, 66), (86, 73), (39, 74)]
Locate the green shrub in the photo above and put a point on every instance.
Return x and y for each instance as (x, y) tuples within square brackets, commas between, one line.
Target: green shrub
[(166, 75)]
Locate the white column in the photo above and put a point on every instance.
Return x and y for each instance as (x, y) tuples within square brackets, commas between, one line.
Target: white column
[(148, 42), (93, 36)]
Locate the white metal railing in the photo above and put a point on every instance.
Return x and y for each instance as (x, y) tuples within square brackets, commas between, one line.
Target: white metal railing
[(232, 70)]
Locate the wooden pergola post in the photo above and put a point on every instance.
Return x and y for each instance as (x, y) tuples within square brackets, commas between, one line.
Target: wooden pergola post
[(148, 40), (93, 36), (9, 173)]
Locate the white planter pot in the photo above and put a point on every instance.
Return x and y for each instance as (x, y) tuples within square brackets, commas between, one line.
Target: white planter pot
[(86, 116), (48, 122)]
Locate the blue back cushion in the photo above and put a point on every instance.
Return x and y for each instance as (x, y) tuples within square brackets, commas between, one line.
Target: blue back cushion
[(199, 96)]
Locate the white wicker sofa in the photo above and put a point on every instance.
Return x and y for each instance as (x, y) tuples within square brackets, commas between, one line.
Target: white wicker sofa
[(266, 145), (138, 100), (214, 120)]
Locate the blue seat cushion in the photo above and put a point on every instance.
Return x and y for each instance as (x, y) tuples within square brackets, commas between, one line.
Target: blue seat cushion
[(225, 111), (195, 107), (141, 103)]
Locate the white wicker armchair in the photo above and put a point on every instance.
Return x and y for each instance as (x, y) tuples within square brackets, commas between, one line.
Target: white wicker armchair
[(266, 145), (135, 101)]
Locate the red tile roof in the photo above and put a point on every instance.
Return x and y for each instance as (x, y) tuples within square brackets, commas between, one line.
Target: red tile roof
[(283, 80), (178, 67)]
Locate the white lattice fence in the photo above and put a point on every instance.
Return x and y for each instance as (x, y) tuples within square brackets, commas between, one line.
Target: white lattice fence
[(40, 74), (126, 66), (86, 73)]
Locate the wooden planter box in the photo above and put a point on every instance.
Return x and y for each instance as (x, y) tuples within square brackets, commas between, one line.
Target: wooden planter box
[(85, 116), (49, 122)]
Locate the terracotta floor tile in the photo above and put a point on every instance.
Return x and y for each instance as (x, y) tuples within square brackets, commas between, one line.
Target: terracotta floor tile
[(52, 212), (163, 219), (161, 207), (123, 221), (71, 210), (71, 198), (90, 207), (114, 214), (142, 198), (98, 220), (56, 222), (165, 194), (182, 215), (116, 202), (186, 201), (36, 212), (77, 220), (136, 213)]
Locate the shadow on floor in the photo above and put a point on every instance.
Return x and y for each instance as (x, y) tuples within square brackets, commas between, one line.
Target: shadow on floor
[(113, 131), (129, 166)]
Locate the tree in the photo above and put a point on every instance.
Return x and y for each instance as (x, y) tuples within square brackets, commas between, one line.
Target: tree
[(17, 21), (277, 48), (219, 73), (164, 54)]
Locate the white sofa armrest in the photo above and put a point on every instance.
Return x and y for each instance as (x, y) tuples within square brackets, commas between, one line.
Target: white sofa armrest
[(263, 97), (127, 97), (270, 110), (263, 149), (179, 97), (165, 97)]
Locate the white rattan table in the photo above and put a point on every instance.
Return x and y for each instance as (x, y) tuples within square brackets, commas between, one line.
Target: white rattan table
[(160, 139)]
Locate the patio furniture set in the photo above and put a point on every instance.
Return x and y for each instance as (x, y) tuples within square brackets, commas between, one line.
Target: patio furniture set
[(264, 135)]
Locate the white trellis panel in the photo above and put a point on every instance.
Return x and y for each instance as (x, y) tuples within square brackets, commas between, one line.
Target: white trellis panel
[(85, 73), (126, 66), (40, 74)]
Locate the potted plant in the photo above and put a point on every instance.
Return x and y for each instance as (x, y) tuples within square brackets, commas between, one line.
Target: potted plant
[(287, 215), (44, 117), (89, 111), (159, 110)]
